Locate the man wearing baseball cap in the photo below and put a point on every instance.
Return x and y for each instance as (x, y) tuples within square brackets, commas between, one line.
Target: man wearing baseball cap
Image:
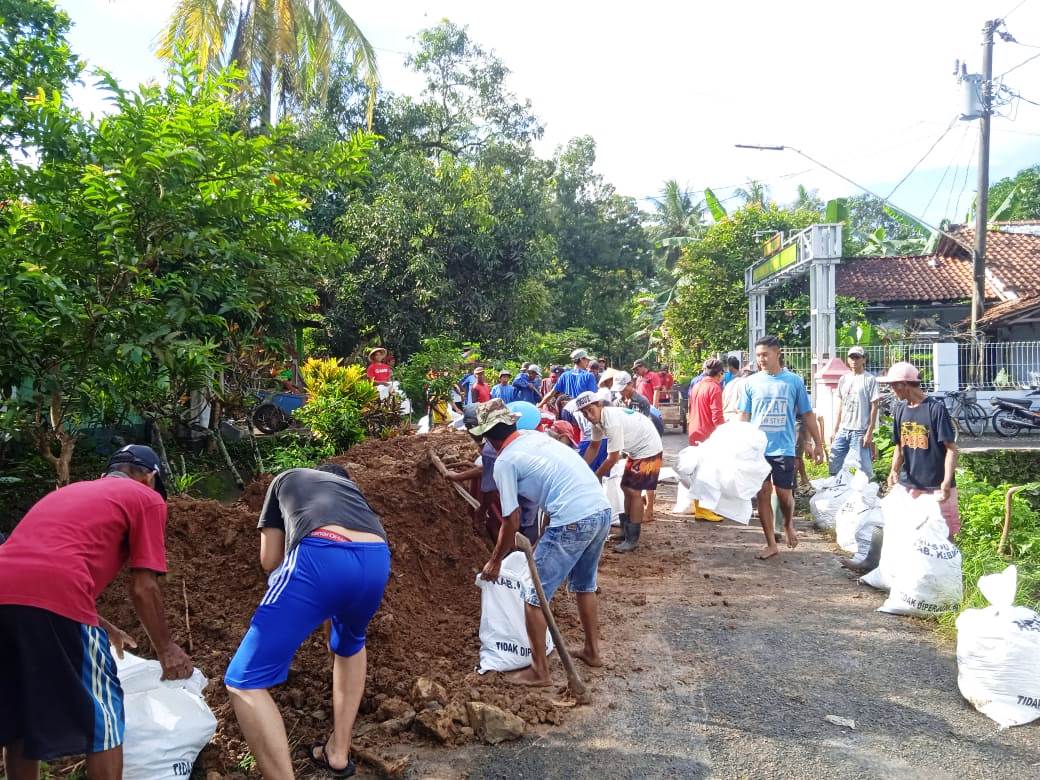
[(925, 459), (856, 419), (576, 380), (537, 467), (629, 432), (528, 384), (58, 685)]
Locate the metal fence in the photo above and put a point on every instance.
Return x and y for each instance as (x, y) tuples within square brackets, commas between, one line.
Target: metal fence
[(999, 365)]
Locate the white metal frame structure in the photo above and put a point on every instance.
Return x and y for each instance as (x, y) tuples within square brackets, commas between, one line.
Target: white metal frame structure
[(815, 251)]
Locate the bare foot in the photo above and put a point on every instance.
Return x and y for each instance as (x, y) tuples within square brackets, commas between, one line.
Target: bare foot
[(768, 553), (588, 658), (527, 677), (792, 535), (848, 564)]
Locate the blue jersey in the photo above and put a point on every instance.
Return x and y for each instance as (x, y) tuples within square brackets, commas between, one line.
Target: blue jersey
[(527, 389), (506, 392), (774, 401), (575, 381)]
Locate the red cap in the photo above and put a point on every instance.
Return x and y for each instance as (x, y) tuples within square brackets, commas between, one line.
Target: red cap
[(566, 428)]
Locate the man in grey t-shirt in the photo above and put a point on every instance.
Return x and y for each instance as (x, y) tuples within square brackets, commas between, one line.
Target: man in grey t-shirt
[(856, 418)]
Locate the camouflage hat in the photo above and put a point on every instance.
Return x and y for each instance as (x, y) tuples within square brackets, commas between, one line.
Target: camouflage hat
[(492, 413)]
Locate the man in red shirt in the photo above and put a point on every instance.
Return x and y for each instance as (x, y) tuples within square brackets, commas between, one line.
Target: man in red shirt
[(379, 371), (59, 690), (648, 382), (705, 415), (480, 390)]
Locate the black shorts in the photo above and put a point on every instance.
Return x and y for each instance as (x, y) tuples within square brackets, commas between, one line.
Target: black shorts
[(783, 470), (58, 686)]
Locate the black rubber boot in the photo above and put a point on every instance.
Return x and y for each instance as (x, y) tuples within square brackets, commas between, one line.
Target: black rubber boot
[(631, 538), (622, 533)]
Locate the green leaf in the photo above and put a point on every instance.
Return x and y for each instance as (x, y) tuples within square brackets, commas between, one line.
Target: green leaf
[(715, 207)]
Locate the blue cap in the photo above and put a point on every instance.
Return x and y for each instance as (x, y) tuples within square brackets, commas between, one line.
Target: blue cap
[(142, 456)]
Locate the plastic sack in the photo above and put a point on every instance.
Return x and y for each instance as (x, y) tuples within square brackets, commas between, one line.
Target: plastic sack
[(830, 494), (858, 515), (612, 488), (903, 515), (504, 645), (998, 654), (167, 721), (726, 471)]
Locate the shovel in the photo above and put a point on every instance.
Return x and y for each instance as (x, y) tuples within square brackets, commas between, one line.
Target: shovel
[(574, 681), (439, 465)]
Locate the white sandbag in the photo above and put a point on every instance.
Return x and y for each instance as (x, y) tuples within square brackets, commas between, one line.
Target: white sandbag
[(998, 654), (683, 501), (901, 517), (924, 569), (167, 721), (504, 645), (859, 508), (829, 497), (726, 471), (612, 488)]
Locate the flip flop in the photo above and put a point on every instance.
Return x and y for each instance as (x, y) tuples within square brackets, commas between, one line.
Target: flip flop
[(322, 761)]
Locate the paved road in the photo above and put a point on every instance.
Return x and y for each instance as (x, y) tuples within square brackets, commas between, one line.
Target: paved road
[(722, 666)]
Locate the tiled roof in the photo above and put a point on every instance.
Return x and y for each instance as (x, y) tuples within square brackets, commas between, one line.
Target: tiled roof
[(1012, 264), (1009, 310), (915, 278)]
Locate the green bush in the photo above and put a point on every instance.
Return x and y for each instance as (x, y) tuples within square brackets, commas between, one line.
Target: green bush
[(982, 520)]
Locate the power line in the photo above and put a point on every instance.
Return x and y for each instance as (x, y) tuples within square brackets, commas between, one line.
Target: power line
[(942, 179), (1017, 6), (1024, 62), (953, 181), (967, 168), (935, 143)]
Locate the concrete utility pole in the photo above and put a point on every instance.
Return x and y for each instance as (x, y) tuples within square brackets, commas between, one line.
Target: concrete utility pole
[(978, 292)]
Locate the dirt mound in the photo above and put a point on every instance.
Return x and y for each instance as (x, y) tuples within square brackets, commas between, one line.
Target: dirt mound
[(427, 626)]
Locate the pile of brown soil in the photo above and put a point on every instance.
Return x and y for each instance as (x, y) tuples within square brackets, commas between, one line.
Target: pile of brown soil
[(427, 626)]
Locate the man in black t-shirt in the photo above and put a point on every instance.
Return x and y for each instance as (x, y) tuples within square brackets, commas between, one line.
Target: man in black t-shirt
[(925, 459)]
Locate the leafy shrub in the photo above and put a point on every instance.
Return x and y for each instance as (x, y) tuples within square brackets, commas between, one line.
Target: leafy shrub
[(294, 453), (329, 375), (982, 520), (337, 398), (430, 373), (996, 467)]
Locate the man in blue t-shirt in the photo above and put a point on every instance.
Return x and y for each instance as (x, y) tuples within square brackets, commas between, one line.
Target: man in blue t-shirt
[(575, 381), (503, 389), (773, 398)]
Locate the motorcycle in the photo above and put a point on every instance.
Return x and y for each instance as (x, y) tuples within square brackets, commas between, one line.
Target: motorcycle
[(1011, 416)]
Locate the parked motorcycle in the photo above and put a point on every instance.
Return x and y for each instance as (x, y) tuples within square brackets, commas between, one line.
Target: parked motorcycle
[(1011, 416)]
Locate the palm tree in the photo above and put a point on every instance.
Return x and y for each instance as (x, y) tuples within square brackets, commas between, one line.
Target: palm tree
[(756, 192), (678, 219), (286, 47), (808, 199)]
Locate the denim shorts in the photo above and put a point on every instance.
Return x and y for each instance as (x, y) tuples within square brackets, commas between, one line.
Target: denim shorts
[(571, 552)]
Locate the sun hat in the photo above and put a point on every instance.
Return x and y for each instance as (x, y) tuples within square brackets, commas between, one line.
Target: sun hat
[(374, 350), (857, 350), (535, 368), (579, 354), (622, 379), (504, 372), (639, 363), (568, 430), (586, 399), (608, 375), (492, 413), (901, 372), (478, 370), (143, 457)]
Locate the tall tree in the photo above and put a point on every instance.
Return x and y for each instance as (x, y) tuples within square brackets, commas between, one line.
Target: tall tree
[(1016, 197), (755, 193), (808, 199), (286, 47), (677, 219)]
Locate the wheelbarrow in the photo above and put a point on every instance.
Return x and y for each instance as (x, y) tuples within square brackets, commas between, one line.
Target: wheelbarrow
[(272, 414)]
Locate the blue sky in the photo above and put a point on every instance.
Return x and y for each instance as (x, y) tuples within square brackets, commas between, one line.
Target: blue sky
[(667, 88)]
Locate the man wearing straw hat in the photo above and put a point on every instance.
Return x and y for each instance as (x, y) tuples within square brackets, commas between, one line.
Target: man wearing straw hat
[(379, 370)]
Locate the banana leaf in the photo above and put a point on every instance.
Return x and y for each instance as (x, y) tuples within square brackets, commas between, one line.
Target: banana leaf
[(718, 211)]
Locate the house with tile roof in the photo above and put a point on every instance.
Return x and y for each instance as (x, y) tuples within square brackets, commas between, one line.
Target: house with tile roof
[(932, 293)]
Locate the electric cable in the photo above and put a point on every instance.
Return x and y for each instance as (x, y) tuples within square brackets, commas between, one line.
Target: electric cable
[(953, 180), (935, 143), (1016, 67), (967, 169)]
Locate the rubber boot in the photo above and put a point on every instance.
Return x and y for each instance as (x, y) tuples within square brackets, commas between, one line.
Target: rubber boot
[(622, 533), (631, 538)]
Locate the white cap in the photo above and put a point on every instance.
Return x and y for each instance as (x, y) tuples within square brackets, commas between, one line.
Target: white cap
[(605, 395), (586, 399), (534, 367), (579, 354), (622, 379)]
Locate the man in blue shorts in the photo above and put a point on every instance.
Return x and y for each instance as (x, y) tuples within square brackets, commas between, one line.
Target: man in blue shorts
[(554, 476), (327, 553), (773, 398)]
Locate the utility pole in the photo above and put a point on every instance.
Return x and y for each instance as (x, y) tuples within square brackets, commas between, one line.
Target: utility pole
[(978, 291)]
